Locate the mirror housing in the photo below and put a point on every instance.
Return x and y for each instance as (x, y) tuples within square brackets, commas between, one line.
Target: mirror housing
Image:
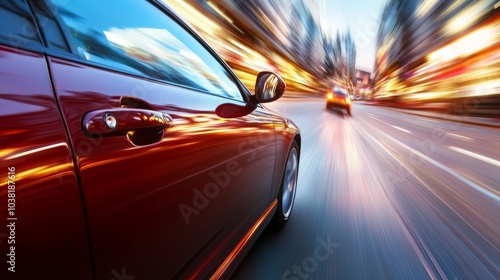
[(268, 87)]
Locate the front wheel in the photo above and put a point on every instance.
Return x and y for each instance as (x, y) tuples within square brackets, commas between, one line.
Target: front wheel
[(286, 195)]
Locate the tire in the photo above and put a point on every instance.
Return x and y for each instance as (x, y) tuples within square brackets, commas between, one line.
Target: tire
[(288, 188), (328, 107), (349, 111)]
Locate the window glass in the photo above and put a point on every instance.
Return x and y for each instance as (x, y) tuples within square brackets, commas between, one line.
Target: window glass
[(16, 24), (340, 91), (138, 38)]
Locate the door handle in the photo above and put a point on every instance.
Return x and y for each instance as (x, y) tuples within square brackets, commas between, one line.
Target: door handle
[(120, 121)]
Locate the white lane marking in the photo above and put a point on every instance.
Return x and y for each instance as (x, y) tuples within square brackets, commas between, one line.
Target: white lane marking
[(459, 136), (413, 236), (396, 127), (476, 156), (446, 169), (402, 129)]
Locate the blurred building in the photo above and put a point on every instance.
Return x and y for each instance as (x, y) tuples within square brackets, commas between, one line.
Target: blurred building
[(363, 84), (438, 51), (349, 49), (253, 36), (274, 35), (363, 78)]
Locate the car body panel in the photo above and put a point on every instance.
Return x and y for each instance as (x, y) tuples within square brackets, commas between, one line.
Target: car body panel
[(287, 132), (50, 235), (201, 167), (181, 202)]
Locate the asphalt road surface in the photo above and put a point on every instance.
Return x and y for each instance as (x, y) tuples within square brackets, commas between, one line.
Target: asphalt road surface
[(386, 195)]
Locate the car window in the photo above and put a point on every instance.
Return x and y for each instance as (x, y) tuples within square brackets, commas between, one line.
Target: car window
[(340, 91), (140, 39), (16, 24)]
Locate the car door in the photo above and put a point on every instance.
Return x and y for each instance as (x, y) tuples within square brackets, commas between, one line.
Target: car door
[(171, 179), (43, 234)]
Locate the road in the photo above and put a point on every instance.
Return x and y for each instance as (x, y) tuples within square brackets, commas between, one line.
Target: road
[(386, 195)]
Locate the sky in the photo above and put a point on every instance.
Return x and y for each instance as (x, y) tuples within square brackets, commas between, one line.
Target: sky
[(362, 18)]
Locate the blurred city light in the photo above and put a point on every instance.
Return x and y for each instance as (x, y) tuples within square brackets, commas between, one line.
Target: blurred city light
[(446, 52), (467, 45), (427, 51), (289, 38)]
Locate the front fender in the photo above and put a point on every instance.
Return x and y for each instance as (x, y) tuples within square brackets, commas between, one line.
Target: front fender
[(286, 132)]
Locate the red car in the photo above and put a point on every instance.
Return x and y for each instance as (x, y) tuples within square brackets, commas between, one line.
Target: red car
[(129, 149)]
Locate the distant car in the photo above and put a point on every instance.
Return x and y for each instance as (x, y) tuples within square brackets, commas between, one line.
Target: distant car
[(339, 98), (129, 148)]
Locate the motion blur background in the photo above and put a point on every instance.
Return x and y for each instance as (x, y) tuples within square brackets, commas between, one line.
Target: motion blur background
[(437, 54), (405, 194)]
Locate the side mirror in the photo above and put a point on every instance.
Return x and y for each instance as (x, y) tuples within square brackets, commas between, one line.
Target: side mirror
[(268, 87)]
